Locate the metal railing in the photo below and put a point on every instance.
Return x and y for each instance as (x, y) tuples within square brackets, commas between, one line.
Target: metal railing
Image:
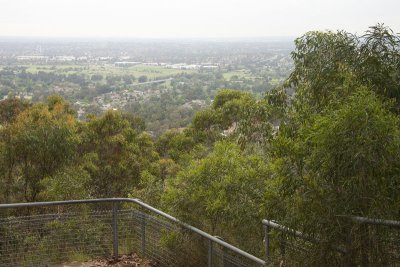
[(368, 242), (373, 242), (286, 246), (45, 233)]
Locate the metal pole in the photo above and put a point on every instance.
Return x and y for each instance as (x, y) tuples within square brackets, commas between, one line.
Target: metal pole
[(115, 229), (144, 234), (210, 252), (283, 248), (225, 262), (349, 256), (266, 241), (283, 244), (364, 245)]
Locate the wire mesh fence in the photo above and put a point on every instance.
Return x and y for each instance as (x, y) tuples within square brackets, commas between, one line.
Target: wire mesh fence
[(44, 239), (45, 234), (223, 257), (287, 247), (365, 242), (375, 242)]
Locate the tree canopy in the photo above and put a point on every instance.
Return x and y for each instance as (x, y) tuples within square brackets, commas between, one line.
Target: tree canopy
[(322, 146)]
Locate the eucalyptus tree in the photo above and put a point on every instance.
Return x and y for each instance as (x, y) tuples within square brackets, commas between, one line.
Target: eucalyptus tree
[(220, 194), (43, 139), (115, 153), (336, 151)]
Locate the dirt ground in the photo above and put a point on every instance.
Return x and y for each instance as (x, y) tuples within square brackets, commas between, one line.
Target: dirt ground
[(124, 261)]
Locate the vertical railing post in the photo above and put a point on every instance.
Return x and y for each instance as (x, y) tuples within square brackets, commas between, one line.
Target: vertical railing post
[(283, 247), (266, 241), (364, 244), (210, 252), (115, 229), (144, 234), (225, 261), (349, 249)]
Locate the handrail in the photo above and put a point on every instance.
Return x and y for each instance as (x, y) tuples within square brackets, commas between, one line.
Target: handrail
[(365, 220), (146, 206), (296, 233), (285, 229)]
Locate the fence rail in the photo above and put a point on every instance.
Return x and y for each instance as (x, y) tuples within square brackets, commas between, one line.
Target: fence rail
[(367, 242), (97, 227)]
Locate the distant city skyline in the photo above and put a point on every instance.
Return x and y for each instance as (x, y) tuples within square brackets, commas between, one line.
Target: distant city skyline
[(189, 18)]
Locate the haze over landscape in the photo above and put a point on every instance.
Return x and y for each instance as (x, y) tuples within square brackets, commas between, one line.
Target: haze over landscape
[(190, 18)]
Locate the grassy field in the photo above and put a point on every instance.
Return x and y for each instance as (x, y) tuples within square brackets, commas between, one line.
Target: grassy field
[(152, 72), (239, 73)]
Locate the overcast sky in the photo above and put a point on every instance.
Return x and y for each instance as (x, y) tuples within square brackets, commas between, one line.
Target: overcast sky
[(191, 18)]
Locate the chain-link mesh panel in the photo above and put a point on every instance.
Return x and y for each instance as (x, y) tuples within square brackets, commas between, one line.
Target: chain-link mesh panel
[(165, 243), (362, 244), (376, 245), (223, 257), (288, 250), (43, 239), (44, 236)]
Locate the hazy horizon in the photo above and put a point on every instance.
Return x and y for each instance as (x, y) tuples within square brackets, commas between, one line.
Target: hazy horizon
[(190, 19), (269, 39)]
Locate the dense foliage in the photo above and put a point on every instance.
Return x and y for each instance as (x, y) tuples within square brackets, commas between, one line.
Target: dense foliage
[(322, 147)]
